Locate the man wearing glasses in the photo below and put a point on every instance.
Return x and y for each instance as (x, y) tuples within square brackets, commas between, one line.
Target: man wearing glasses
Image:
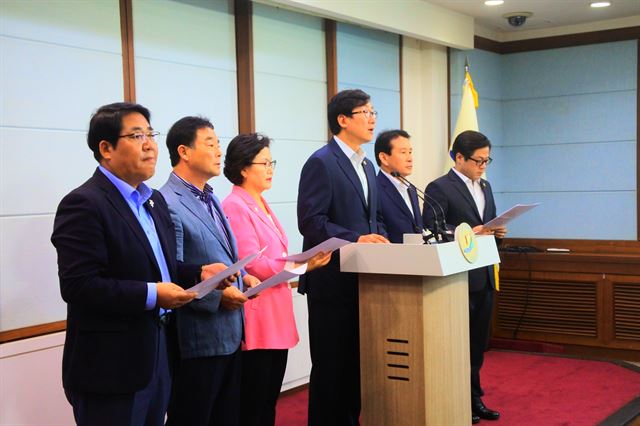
[(466, 197), (337, 197), (206, 389), (117, 264)]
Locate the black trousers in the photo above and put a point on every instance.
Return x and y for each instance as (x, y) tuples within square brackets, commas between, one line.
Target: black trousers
[(262, 374), (334, 386), (206, 391), (147, 407), (480, 311)]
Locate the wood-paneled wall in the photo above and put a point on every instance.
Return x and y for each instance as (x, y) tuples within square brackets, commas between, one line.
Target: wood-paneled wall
[(587, 299)]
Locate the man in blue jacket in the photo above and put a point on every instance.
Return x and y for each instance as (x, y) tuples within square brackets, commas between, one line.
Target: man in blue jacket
[(338, 197), (207, 383), (399, 202)]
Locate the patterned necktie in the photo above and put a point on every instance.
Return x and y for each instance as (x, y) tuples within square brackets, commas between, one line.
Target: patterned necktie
[(206, 197)]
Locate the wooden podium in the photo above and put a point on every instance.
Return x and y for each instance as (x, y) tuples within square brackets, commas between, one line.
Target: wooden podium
[(414, 331)]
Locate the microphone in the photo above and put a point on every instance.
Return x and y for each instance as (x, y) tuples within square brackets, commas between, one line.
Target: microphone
[(441, 231)]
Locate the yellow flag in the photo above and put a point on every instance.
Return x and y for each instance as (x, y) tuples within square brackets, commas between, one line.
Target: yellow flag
[(467, 118)]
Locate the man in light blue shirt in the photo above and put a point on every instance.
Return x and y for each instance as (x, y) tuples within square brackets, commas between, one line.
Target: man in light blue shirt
[(117, 267)]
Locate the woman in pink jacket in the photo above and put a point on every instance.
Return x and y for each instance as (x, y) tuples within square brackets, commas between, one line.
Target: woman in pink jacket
[(270, 328)]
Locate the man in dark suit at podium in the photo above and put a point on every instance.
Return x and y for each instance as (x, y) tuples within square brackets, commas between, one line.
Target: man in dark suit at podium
[(466, 197), (338, 197), (399, 203), (117, 264)]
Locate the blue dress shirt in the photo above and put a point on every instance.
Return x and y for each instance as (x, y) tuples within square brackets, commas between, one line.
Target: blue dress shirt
[(136, 198)]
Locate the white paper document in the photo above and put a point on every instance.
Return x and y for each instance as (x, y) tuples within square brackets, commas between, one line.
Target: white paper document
[(509, 215), (207, 286), (327, 246), (278, 278)]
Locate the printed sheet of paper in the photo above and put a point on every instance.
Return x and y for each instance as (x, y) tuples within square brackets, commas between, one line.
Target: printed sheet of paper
[(278, 278), (509, 215), (207, 286), (327, 246)]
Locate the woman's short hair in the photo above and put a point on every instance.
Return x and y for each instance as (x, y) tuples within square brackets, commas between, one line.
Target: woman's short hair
[(240, 154)]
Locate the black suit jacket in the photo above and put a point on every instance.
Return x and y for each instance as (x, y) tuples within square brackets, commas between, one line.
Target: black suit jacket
[(104, 263), (458, 205), (398, 219), (331, 203)]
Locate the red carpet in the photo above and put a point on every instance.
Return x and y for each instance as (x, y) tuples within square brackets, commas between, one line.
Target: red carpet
[(532, 390)]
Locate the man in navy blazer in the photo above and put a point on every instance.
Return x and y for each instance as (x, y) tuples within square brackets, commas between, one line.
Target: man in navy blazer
[(116, 262), (466, 197), (338, 197), (398, 202), (207, 383)]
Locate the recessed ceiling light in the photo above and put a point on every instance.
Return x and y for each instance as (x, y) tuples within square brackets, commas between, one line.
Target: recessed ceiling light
[(493, 2), (600, 4)]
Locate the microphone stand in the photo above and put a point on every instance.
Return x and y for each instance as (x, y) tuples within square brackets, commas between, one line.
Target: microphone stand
[(441, 233)]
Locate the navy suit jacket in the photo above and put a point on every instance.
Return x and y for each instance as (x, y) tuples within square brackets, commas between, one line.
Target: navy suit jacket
[(204, 329), (331, 203), (398, 219), (104, 263), (459, 206)]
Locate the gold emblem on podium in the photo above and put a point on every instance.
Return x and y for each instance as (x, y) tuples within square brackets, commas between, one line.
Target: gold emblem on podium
[(467, 242)]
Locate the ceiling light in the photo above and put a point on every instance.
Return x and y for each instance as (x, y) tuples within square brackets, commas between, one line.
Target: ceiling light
[(600, 4), (493, 2)]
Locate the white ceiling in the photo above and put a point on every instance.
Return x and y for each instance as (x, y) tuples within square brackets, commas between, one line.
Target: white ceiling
[(546, 13)]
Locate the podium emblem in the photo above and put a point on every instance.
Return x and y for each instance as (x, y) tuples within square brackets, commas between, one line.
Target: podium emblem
[(467, 242)]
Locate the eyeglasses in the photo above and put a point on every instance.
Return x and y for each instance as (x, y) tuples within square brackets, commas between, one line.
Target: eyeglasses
[(367, 114), (481, 162), (141, 137), (268, 164)]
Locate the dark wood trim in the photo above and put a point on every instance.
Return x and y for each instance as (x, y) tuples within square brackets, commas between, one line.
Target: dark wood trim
[(32, 331), (554, 42), (595, 247), (331, 51), (448, 97), (487, 44), (128, 64), (638, 140), (401, 80), (331, 58), (244, 65)]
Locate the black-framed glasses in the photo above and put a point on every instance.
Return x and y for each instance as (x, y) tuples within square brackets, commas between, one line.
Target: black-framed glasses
[(141, 137), (481, 162), (268, 164), (367, 114)]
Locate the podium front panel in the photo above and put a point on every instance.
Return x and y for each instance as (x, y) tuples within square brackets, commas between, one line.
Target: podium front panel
[(414, 350)]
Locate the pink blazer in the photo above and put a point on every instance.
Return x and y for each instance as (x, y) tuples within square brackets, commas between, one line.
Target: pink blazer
[(269, 319)]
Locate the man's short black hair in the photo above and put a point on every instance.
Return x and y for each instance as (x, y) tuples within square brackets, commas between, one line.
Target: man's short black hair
[(467, 142), (240, 154), (106, 124), (384, 139), (183, 132), (343, 103)]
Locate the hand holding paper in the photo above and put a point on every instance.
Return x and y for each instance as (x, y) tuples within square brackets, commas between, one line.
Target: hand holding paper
[(172, 296), (213, 268), (327, 246), (278, 278), (207, 286), (232, 299), (509, 215)]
